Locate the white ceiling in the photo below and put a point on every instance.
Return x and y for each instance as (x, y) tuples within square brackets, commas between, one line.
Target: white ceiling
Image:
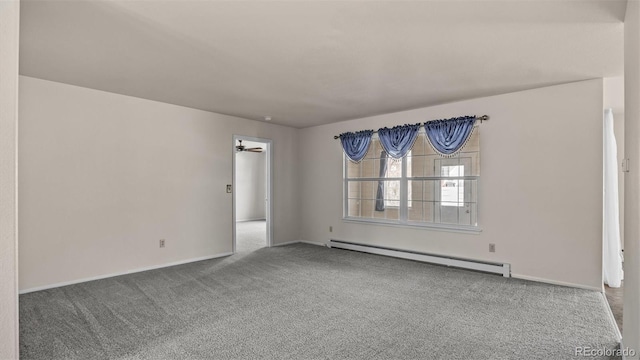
[(315, 62)]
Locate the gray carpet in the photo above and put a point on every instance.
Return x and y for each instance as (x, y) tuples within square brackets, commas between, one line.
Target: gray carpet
[(309, 302), (251, 235)]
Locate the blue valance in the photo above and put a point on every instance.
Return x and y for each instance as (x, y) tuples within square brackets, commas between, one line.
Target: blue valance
[(447, 137), (356, 144), (398, 140)]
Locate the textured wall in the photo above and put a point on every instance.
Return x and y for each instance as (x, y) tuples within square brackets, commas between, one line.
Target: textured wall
[(631, 334), (105, 176), (9, 30), (540, 197)]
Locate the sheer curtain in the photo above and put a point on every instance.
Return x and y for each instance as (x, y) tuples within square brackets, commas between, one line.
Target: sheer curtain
[(612, 260)]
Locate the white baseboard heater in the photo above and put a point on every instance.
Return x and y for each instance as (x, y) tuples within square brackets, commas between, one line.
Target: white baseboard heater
[(490, 267)]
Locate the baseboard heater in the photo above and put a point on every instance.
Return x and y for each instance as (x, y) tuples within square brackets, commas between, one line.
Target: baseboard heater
[(490, 267)]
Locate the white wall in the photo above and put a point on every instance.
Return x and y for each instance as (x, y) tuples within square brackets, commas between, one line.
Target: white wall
[(251, 185), (9, 37), (105, 176), (631, 316), (541, 184)]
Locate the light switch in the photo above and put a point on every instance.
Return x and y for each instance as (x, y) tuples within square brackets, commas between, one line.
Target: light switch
[(229, 188)]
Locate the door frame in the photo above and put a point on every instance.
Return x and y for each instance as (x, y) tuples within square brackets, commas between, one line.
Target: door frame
[(269, 190)]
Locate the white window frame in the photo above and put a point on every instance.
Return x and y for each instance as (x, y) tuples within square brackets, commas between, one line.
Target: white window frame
[(403, 220), (458, 189), (404, 170)]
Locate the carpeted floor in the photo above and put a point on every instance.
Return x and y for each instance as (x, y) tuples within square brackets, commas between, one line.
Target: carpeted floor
[(251, 235), (309, 302)]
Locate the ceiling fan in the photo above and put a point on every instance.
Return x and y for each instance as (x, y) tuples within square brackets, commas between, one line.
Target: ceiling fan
[(241, 147)]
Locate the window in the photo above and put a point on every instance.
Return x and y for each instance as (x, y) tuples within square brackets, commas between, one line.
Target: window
[(423, 189), (452, 191), (392, 188)]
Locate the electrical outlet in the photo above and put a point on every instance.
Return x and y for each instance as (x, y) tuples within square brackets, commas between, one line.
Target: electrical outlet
[(330, 228), (161, 243), (492, 247)]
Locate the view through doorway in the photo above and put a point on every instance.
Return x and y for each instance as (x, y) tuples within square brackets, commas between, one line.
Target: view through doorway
[(612, 222), (251, 190)]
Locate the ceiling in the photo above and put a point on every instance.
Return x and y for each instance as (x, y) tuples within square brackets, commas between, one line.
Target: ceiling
[(308, 63)]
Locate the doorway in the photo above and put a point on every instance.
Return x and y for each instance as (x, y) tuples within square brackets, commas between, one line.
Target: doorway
[(252, 210), (613, 206)]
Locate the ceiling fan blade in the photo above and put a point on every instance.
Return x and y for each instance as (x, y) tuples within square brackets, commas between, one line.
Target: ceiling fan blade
[(257, 150)]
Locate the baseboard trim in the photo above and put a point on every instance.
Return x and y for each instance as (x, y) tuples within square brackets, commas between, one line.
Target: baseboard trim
[(503, 269), (285, 243), (106, 276), (317, 243), (611, 316), (554, 282)]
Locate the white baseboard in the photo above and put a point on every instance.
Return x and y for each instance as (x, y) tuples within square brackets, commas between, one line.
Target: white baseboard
[(317, 243), (503, 269), (256, 219), (286, 243), (105, 276), (554, 282)]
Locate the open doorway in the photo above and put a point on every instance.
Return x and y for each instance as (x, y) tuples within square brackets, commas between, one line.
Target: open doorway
[(614, 166), (251, 193), (613, 207)]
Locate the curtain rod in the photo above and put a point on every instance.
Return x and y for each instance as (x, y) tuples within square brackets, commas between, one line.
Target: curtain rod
[(481, 118)]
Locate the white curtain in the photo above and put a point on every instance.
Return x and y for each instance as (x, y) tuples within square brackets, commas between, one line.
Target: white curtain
[(612, 260)]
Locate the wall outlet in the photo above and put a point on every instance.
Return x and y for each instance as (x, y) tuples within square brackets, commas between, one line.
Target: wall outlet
[(492, 247), (161, 243), (330, 228)]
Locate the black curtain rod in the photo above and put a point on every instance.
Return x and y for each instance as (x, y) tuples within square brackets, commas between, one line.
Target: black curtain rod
[(481, 118)]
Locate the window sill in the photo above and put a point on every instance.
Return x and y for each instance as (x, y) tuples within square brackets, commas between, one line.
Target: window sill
[(415, 225)]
